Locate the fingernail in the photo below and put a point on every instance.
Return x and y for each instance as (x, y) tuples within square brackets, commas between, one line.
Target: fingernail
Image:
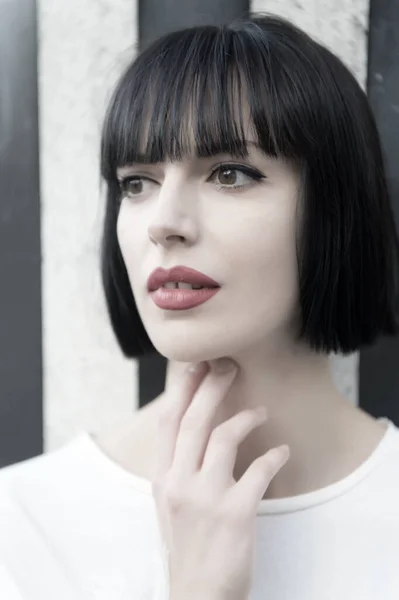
[(285, 451), (224, 365)]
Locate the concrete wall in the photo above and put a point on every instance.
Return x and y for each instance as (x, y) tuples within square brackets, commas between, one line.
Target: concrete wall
[(83, 45)]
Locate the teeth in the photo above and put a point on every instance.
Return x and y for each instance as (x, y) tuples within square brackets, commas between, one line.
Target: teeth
[(181, 285)]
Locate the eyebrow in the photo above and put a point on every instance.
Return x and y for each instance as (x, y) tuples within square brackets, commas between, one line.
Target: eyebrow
[(142, 159)]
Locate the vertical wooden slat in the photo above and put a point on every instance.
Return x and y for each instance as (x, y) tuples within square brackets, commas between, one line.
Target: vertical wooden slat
[(379, 365), (21, 411)]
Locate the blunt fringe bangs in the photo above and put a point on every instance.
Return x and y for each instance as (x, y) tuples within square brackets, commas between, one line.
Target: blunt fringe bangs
[(184, 94)]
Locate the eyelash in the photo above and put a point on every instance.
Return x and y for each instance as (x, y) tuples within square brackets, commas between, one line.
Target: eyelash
[(254, 175)]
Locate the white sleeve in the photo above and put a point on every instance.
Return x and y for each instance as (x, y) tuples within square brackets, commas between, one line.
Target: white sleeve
[(8, 589)]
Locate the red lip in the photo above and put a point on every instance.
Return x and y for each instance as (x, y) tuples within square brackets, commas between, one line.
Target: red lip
[(179, 274)]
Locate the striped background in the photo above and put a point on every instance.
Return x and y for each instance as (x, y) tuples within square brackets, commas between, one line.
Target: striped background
[(60, 368)]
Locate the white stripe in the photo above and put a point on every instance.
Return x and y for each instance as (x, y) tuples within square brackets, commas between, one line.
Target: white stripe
[(82, 49)]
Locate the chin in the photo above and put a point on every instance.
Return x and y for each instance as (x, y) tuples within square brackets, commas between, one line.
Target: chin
[(188, 352), (184, 347)]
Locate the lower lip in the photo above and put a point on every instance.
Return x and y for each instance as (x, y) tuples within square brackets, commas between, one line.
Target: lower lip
[(181, 299)]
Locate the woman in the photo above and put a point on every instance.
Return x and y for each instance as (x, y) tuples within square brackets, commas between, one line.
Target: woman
[(242, 165)]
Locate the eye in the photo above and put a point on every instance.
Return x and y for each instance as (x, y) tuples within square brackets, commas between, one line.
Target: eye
[(132, 185), (232, 177)]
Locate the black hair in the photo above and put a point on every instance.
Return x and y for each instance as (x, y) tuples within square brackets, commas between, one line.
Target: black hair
[(305, 106)]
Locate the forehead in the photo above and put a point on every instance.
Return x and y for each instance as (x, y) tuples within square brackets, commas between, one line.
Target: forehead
[(157, 120), (199, 120)]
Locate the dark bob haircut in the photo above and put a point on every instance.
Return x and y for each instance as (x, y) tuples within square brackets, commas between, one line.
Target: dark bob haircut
[(305, 106)]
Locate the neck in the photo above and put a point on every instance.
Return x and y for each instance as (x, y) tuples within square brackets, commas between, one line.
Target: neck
[(305, 411)]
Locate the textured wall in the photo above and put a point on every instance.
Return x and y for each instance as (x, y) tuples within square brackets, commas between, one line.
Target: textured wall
[(342, 26), (83, 45)]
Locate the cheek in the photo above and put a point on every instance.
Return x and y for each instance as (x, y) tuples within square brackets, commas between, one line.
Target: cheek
[(266, 245), (265, 267), (128, 238)]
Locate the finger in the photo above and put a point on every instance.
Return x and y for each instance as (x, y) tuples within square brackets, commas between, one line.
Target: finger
[(221, 453), (251, 487), (196, 425), (176, 402)]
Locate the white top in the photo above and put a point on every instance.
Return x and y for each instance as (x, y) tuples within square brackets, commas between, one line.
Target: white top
[(76, 525)]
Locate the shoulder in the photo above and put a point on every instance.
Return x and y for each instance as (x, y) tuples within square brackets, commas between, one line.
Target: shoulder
[(8, 587), (383, 479), (24, 486), (32, 482), (23, 473), (131, 443)]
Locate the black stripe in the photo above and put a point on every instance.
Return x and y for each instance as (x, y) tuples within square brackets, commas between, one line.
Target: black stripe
[(21, 413), (379, 372), (157, 18)]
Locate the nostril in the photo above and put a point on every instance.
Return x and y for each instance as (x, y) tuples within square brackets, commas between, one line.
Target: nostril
[(179, 238)]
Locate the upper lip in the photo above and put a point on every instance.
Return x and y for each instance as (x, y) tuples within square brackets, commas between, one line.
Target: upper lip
[(180, 273)]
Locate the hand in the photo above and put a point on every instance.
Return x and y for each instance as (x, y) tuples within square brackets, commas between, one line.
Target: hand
[(207, 519)]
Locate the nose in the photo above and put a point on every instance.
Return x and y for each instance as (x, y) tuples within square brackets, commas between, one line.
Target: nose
[(174, 220)]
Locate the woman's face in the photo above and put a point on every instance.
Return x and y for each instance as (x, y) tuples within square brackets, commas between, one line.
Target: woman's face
[(231, 219)]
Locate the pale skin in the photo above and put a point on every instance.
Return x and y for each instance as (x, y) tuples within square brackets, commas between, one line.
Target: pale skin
[(176, 214), (350, 436), (203, 512)]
